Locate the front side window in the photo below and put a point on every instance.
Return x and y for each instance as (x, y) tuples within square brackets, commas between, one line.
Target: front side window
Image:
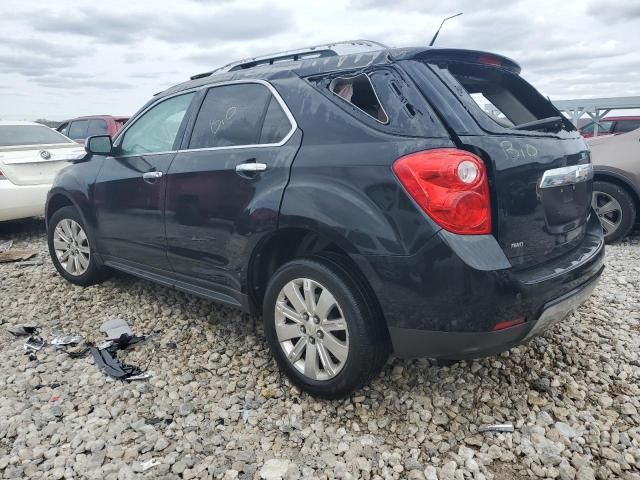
[(64, 128), (238, 115), (78, 129), (625, 126), (603, 127), (156, 130), (97, 126), (18, 135)]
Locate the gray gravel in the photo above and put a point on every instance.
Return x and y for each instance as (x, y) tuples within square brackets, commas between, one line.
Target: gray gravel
[(217, 407)]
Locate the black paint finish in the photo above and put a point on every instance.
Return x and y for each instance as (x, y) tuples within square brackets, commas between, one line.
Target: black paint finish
[(200, 226)]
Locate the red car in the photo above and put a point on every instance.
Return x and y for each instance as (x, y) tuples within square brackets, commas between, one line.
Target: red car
[(78, 129), (611, 126)]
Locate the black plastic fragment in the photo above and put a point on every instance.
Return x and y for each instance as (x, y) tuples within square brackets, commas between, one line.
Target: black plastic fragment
[(108, 362)]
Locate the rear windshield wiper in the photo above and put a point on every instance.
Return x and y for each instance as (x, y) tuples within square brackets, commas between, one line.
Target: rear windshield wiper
[(543, 122)]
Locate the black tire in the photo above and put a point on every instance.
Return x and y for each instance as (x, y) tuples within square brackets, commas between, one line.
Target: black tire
[(94, 273), (627, 212), (368, 346)]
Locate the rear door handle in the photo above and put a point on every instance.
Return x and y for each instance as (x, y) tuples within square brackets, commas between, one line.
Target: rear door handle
[(251, 167), (151, 177)]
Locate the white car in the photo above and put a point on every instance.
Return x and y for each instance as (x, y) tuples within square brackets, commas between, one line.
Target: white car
[(31, 155)]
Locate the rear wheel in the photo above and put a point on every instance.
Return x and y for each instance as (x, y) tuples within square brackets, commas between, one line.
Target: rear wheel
[(71, 250), (322, 327), (615, 209)]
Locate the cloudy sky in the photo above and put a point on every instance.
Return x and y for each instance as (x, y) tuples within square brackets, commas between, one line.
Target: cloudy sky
[(75, 57)]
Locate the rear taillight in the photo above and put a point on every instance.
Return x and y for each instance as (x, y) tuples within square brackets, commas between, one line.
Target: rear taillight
[(2, 177), (451, 186)]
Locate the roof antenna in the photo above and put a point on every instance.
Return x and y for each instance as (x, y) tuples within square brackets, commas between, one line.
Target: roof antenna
[(433, 40)]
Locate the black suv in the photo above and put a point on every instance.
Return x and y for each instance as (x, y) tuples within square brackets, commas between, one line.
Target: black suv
[(421, 201)]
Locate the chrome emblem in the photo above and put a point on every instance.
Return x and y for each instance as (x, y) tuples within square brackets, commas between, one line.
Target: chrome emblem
[(45, 155)]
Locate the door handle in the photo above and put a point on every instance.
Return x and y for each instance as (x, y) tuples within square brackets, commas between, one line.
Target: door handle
[(251, 167), (151, 177)]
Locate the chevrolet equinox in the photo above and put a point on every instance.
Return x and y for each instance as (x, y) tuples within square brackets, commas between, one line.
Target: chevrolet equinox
[(423, 201)]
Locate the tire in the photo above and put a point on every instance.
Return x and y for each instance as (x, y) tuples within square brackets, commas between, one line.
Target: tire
[(363, 345), (616, 223), (86, 271)]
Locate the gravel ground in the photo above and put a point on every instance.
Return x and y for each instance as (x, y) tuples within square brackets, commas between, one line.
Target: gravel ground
[(217, 407)]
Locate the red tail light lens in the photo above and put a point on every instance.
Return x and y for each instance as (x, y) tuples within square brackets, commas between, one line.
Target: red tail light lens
[(451, 186), (2, 177)]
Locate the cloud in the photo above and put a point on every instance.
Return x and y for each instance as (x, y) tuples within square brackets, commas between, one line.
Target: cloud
[(29, 64), (182, 26), (58, 48), (614, 11), (71, 83)]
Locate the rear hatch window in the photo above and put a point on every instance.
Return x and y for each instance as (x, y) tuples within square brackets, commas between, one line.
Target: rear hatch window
[(507, 99), (522, 137)]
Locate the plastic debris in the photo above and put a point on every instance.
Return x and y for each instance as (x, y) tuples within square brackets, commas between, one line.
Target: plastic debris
[(500, 427), (148, 464), (115, 328), (64, 340), (23, 330), (6, 245), (15, 254), (34, 343)]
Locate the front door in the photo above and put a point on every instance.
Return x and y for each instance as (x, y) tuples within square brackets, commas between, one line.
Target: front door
[(224, 189), (130, 189)]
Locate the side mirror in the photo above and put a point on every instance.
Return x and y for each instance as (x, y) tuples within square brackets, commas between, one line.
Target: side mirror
[(99, 144)]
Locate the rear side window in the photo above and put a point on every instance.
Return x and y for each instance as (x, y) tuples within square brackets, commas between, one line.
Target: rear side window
[(78, 129), (358, 91), (97, 126), (15, 135), (239, 115), (504, 97), (624, 126)]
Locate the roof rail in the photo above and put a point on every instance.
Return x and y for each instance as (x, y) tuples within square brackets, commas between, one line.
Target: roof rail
[(317, 51)]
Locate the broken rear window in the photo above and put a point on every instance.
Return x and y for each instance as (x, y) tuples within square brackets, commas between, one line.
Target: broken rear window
[(358, 91), (506, 98)]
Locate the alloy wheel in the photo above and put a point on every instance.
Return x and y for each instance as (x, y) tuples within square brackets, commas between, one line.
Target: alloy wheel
[(311, 329), (608, 210), (71, 245)]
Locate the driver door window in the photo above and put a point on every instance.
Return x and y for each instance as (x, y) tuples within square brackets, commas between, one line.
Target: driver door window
[(156, 130)]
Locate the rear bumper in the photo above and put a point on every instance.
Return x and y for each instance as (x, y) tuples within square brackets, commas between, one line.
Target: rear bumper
[(465, 345), (448, 299), (21, 201)]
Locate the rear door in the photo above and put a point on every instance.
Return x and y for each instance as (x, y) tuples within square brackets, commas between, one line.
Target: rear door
[(33, 154), (129, 192), (224, 190), (524, 139)]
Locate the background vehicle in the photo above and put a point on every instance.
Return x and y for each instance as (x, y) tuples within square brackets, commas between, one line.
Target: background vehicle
[(30, 156), (616, 189), (361, 202), (611, 126), (78, 129)]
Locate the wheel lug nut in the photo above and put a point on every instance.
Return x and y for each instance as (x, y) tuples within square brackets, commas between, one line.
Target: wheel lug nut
[(312, 340), (305, 316), (302, 329), (320, 334), (316, 320)]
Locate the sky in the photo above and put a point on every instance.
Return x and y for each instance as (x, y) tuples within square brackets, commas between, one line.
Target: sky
[(78, 57)]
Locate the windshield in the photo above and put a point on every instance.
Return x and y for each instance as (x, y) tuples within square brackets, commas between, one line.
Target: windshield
[(18, 135)]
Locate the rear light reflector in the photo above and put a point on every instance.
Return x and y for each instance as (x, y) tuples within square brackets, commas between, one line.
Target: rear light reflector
[(509, 324), (451, 186)]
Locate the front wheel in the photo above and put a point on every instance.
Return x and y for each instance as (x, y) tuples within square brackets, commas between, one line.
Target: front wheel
[(71, 250), (323, 328), (615, 209)]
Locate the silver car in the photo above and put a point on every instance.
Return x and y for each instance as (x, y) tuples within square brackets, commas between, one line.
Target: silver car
[(616, 189)]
